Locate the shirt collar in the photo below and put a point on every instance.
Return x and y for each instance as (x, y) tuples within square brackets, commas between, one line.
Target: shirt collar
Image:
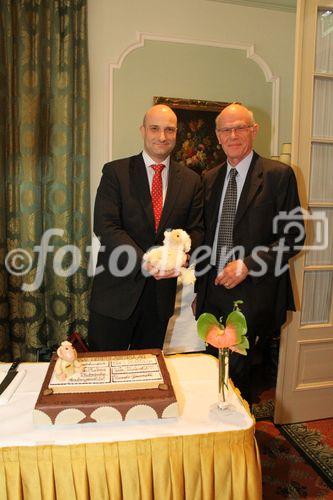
[(148, 161), (242, 167)]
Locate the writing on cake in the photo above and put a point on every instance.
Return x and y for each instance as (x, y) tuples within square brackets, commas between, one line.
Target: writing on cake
[(112, 374)]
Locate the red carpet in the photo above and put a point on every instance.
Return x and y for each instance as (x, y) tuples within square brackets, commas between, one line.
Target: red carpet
[(296, 459), (285, 472)]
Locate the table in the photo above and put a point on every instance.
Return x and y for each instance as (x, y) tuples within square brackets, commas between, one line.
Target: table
[(190, 457)]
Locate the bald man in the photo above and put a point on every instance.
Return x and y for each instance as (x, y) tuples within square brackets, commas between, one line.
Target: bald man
[(255, 271), (137, 200)]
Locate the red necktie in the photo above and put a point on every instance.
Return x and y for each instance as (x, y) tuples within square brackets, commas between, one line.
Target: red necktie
[(157, 193)]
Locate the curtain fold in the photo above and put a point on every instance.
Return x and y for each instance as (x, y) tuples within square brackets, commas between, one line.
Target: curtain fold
[(45, 195)]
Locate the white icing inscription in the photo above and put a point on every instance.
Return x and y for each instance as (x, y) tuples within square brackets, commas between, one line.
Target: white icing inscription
[(116, 373), (135, 377), (134, 368), (94, 372), (135, 359)]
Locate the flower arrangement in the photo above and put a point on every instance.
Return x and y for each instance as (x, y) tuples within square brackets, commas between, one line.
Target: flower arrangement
[(232, 337)]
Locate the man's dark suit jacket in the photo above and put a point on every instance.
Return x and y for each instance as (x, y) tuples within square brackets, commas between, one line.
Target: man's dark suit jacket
[(270, 188), (124, 216)]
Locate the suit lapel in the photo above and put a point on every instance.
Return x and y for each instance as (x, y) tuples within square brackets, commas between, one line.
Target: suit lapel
[(252, 184), (174, 184), (216, 187), (138, 176), (213, 190)]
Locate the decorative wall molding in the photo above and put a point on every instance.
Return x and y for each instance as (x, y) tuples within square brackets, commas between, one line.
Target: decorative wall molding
[(250, 54), (285, 5)]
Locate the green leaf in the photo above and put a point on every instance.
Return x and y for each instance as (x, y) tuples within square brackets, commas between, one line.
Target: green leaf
[(237, 320), (240, 350), (204, 323), (236, 303), (244, 343)]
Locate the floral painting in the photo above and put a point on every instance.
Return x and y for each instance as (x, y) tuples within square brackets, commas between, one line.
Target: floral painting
[(197, 147)]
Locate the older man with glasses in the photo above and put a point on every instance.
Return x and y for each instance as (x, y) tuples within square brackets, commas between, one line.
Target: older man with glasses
[(252, 228)]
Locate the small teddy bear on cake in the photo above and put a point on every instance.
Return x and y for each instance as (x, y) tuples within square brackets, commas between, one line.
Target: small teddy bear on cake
[(172, 255), (67, 363)]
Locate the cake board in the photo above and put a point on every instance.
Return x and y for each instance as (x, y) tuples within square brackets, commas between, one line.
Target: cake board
[(108, 406)]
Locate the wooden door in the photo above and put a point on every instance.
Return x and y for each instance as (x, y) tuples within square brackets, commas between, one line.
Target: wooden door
[(305, 378)]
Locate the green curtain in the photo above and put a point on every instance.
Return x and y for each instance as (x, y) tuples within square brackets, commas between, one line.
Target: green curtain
[(44, 177)]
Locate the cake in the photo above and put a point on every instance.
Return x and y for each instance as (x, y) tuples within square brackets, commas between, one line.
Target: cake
[(113, 386)]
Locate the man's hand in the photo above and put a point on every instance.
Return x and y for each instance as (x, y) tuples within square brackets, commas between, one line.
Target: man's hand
[(159, 275), (234, 273), (172, 273)]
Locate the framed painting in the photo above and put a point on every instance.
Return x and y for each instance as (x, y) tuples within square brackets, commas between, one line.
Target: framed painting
[(197, 146)]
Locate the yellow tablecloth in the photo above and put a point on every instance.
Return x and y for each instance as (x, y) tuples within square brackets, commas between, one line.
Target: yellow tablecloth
[(206, 465)]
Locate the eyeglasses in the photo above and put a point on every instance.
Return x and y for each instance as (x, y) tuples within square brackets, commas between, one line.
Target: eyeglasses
[(237, 130)]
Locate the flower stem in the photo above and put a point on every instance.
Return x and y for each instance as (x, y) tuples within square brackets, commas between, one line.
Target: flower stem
[(223, 383)]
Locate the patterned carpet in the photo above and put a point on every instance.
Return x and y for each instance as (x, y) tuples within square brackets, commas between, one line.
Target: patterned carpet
[(297, 459)]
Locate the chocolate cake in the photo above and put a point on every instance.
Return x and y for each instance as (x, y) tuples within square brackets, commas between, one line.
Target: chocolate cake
[(70, 403)]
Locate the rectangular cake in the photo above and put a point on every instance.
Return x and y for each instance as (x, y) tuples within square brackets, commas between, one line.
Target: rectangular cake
[(113, 386)]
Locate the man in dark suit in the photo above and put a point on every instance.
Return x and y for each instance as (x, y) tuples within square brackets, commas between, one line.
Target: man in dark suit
[(265, 233), (137, 200)]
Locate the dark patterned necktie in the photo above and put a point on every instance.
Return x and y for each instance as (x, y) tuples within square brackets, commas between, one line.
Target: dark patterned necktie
[(226, 227), (157, 193)]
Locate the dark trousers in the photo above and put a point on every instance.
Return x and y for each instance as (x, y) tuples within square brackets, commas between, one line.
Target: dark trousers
[(144, 329), (219, 301)]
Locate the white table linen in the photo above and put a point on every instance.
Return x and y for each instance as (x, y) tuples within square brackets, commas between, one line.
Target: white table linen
[(194, 378)]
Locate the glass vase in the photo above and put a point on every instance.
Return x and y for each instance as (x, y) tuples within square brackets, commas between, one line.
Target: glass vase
[(224, 406), (223, 396)]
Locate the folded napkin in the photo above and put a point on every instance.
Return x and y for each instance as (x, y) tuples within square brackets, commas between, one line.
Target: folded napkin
[(9, 391)]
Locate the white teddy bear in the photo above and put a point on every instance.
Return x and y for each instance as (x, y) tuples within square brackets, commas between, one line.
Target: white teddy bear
[(172, 255)]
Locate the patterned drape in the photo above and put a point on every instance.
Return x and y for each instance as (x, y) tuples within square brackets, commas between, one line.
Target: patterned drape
[(44, 177)]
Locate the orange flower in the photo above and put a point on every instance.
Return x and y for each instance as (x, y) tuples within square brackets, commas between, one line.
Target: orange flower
[(220, 338)]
